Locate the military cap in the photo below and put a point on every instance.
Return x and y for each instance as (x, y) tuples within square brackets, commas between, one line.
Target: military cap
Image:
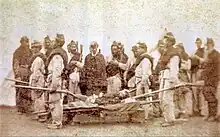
[(210, 41), (134, 48), (171, 39), (94, 43), (60, 36), (47, 38), (72, 42), (198, 39), (24, 38), (169, 34), (142, 44), (36, 44)]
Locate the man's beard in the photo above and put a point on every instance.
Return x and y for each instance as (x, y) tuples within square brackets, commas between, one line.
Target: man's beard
[(73, 51), (116, 55), (59, 44)]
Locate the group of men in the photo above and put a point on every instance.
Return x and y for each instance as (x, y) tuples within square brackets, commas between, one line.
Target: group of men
[(165, 66)]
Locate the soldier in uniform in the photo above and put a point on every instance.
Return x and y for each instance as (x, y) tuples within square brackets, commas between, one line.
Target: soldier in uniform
[(210, 75), (113, 69), (143, 70), (48, 46), (123, 60), (183, 97), (57, 62), (199, 103), (73, 68), (168, 66), (37, 67), (95, 71), (21, 72), (130, 82)]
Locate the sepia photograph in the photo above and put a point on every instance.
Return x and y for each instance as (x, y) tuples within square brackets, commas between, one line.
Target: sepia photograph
[(110, 68)]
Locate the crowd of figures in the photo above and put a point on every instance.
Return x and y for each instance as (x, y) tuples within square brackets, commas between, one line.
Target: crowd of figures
[(164, 66)]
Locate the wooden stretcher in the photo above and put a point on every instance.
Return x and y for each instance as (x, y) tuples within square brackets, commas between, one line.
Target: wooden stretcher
[(101, 114)]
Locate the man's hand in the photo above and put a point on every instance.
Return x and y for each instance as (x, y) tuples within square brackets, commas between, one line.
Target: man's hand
[(18, 78), (53, 90), (115, 62), (200, 82), (74, 62)]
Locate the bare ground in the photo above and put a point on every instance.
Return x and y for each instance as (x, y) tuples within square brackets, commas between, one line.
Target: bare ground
[(13, 124)]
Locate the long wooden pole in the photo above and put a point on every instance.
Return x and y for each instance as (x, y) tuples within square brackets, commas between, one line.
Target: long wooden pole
[(149, 102), (161, 90), (15, 80), (79, 96)]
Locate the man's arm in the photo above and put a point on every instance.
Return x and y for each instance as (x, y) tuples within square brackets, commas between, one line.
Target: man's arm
[(174, 69), (123, 66), (146, 67), (57, 68), (36, 68), (16, 68)]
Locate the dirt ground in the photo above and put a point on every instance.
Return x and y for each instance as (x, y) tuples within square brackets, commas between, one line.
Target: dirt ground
[(13, 124)]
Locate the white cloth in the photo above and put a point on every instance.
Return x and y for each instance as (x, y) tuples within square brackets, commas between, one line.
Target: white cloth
[(74, 77), (156, 55), (114, 82), (55, 69), (37, 80), (143, 71), (37, 69), (168, 78), (185, 64)]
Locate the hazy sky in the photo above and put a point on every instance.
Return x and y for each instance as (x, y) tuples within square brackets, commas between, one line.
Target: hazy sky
[(106, 20)]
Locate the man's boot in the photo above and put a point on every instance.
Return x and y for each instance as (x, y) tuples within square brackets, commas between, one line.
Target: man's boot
[(54, 125), (167, 124), (212, 108)]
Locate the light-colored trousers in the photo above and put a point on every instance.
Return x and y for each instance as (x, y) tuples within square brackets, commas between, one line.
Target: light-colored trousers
[(199, 103), (73, 88), (38, 100), (56, 107), (141, 89), (167, 102), (184, 101), (183, 96), (114, 84), (38, 96)]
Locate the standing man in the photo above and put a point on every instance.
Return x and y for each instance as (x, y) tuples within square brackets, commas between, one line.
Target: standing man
[(95, 71), (113, 69), (57, 61), (37, 68), (130, 81), (143, 70), (21, 72), (48, 46), (184, 94), (210, 75), (168, 66), (199, 104), (73, 68), (123, 60)]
